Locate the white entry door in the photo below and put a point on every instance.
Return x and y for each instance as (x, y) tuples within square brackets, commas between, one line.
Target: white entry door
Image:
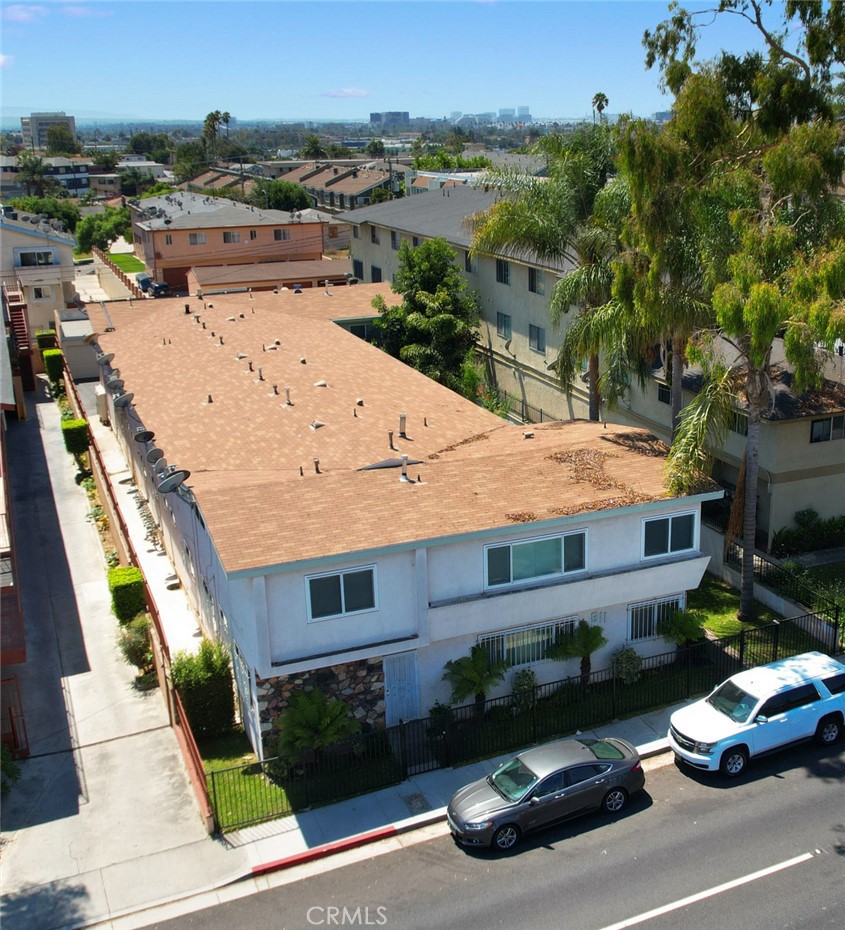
[(401, 687)]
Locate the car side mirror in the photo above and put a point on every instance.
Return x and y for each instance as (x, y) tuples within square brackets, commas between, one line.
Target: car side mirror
[(533, 799), (761, 718)]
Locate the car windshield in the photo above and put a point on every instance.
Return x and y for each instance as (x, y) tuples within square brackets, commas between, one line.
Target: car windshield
[(512, 779), (732, 701)]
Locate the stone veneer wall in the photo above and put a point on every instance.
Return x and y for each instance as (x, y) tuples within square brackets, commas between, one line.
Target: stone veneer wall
[(360, 684)]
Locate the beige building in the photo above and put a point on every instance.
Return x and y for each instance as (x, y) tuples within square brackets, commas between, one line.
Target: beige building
[(180, 231)]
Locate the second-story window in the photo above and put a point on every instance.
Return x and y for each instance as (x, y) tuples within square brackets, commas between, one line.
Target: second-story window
[(536, 281), (503, 271), (374, 236), (231, 236)]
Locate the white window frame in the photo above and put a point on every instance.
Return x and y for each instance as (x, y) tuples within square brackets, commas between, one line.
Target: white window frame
[(503, 271), (340, 574), (281, 235), (253, 235), (497, 645), (39, 255), (522, 582), (675, 601), (231, 237), (394, 240), (356, 232), (470, 263), (503, 325), (46, 292), (168, 239), (537, 281), (375, 239), (835, 429), (670, 517), (196, 238)]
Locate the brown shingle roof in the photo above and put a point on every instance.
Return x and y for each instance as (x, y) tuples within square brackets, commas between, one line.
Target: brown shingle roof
[(245, 449)]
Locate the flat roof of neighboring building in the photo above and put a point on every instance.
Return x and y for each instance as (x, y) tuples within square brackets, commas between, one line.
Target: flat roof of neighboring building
[(280, 484)]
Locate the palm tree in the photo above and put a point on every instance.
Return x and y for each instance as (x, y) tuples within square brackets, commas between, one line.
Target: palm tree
[(600, 103), (551, 219), (312, 148), (210, 129), (580, 644), (311, 722), (32, 172), (225, 119), (474, 676)]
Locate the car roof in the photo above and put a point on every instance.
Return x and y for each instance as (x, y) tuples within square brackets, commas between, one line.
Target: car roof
[(786, 673), (552, 756)]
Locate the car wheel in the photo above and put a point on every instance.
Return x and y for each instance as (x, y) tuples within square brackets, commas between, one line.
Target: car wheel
[(829, 730), (506, 837), (615, 800), (734, 762)]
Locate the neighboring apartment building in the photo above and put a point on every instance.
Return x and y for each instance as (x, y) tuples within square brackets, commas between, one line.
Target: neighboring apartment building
[(520, 348), (71, 174), (179, 231), (34, 128), (344, 522), (335, 186)]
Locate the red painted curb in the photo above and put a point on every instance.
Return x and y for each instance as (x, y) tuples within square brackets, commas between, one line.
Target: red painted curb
[(329, 849)]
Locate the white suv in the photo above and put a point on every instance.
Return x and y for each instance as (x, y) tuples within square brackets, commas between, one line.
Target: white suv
[(760, 710)]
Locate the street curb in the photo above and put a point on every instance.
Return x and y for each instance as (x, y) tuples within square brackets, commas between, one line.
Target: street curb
[(658, 747)]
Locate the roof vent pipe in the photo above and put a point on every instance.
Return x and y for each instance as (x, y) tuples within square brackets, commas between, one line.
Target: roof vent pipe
[(250, 367), (276, 389), (404, 476), (402, 421), (260, 375), (317, 466), (390, 439), (287, 396)]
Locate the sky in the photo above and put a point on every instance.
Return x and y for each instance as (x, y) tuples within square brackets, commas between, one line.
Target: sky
[(334, 60)]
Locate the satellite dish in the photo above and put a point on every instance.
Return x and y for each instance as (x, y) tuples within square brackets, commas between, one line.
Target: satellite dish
[(116, 383), (154, 455), (160, 465), (123, 400), (173, 480), (103, 360), (115, 373), (144, 435)]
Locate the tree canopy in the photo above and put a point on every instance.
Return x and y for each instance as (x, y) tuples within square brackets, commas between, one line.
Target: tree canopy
[(278, 195), (102, 229), (63, 209), (435, 326), (61, 141)]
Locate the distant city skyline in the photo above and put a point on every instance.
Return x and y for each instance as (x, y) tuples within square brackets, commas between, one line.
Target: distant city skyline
[(335, 60)]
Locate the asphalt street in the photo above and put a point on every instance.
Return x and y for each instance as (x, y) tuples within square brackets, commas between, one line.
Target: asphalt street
[(691, 852)]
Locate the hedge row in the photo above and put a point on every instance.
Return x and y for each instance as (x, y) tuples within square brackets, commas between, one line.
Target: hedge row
[(126, 585)]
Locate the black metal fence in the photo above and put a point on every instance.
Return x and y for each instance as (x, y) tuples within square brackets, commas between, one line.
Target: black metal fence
[(786, 582), (528, 413), (277, 787)]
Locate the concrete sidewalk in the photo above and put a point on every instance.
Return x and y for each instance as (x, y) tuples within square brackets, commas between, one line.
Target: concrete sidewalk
[(103, 827)]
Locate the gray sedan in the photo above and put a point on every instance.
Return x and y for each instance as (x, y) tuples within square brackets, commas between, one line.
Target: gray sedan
[(542, 786)]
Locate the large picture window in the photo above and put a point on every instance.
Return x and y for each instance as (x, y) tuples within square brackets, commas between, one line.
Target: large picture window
[(828, 429), (341, 593), (667, 535), (536, 558), (33, 259), (527, 644)]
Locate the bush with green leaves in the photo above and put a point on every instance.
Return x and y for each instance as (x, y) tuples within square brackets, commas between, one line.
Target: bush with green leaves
[(474, 676), (76, 437), (10, 771), (809, 534), (681, 626), (126, 584), (627, 665), (204, 683), (312, 721), (134, 642), (524, 689), (53, 364), (45, 339)]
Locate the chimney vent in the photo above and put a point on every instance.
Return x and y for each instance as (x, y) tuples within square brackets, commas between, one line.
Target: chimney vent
[(275, 388), (260, 375), (187, 309), (287, 396), (404, 476), (390, 439), (402, 422), (317, 466), (210, 399), (250, 367)]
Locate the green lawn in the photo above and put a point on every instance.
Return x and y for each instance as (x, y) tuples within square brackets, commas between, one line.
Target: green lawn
[(719, 603), (830, 581), (240, 792), (126, 262)]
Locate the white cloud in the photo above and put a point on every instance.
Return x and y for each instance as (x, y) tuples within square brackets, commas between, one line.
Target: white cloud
[(19, 13), (6, 61), (346, 92)]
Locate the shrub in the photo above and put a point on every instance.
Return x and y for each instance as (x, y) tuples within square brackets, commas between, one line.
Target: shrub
[(10, 771), (523, 688), (53, 359), (204, 683), (311, 722), (126, 585), (809, 534), (75, 435), (45, 339), (134, 642), (439, 715), (627, 665)]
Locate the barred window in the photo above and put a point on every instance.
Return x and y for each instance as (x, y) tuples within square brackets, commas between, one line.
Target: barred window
[(528, 644), (643, 619)]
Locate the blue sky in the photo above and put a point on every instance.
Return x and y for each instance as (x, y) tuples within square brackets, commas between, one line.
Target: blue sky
[(339, 59)]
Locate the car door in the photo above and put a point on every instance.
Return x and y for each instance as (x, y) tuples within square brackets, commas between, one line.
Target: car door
[(585, 788), (547, 802), (775, 731), (802, 711)]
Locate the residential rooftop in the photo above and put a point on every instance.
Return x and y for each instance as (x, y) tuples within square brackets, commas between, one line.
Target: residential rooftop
[(184, 210), (281, 483)]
